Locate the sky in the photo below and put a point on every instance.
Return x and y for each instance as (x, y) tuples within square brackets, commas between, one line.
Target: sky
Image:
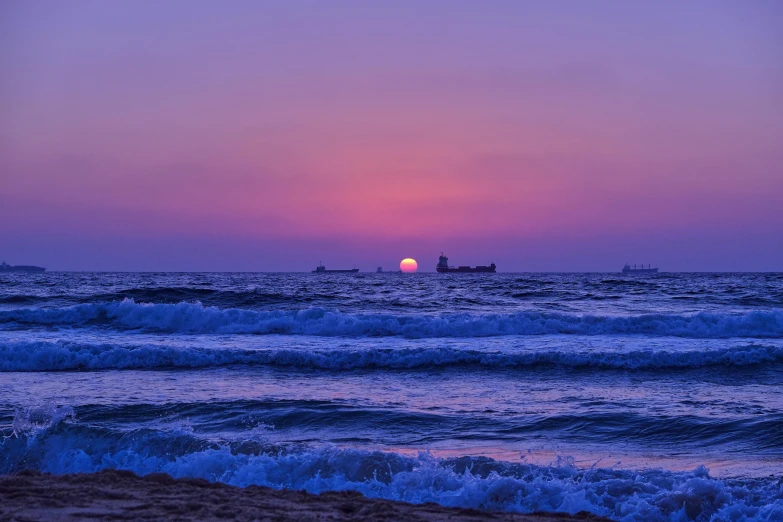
[(269, 136)]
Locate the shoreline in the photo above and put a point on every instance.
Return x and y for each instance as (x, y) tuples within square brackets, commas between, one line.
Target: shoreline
[(117, 494)]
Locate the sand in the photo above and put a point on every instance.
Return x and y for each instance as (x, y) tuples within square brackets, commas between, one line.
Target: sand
[(122, 495)]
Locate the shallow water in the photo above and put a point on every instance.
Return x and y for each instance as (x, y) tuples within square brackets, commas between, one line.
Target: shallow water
[(656, 397)]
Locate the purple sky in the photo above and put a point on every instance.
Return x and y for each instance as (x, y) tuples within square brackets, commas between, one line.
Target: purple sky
[(564, 135)]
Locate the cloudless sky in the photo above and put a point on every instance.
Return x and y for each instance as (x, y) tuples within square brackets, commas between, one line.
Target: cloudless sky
[(247, 135)]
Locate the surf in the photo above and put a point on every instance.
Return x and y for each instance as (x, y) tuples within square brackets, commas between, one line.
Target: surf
[(41, 356), (187, 317), (467, 482)]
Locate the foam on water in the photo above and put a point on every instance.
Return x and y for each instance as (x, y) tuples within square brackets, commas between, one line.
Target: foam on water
[(65, 447), (196, 318)]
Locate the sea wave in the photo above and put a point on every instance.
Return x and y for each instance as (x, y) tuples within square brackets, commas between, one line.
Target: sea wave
[(278, 419), (466, 482), (26, 356), (186, 317)]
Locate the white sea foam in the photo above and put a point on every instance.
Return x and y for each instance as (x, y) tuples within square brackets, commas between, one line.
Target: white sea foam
[(196, 318), (31, 421), (462, 482)]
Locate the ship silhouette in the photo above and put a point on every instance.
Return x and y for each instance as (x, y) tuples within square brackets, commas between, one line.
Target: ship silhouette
[(443, 267), (4, 267), (628, 269), (321, 269)]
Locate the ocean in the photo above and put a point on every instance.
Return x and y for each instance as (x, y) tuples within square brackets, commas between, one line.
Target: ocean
[(643, 397)]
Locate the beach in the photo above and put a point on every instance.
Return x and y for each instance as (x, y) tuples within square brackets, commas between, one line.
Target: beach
[(123, 495)]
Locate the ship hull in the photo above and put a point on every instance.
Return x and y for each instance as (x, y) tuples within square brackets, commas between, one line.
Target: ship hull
[(641, 271), (22, 268), (466, 270)]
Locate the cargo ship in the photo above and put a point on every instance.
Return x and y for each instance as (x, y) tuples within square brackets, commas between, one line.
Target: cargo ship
[(321, 269), (443, 267), (628, 269), (4, 267)]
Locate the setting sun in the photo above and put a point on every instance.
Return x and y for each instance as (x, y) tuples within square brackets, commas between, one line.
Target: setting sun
[(409, 265)]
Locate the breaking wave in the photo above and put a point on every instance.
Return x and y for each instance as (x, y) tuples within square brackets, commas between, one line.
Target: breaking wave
[(196, 318), (466, 482), (62, 355)]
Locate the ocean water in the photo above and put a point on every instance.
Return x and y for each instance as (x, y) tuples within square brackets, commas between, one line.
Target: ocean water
[(654, 397)]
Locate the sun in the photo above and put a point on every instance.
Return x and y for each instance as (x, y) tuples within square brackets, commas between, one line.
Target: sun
[(409, 265)]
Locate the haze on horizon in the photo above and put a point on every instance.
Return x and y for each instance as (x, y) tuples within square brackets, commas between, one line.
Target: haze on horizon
[(266, 136)]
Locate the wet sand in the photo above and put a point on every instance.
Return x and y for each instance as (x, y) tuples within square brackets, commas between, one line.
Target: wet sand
[(122, 495)]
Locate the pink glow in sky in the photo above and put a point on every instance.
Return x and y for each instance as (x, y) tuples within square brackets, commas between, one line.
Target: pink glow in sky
[(270, 135)]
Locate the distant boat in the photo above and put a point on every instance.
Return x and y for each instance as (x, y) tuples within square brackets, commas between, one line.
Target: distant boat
[(379, 270), (443, 267), (4, 267), (628, 269), (321, 269)]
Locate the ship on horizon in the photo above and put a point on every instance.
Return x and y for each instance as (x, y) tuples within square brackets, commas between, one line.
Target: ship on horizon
[(321, 269), (444, 268), (628, 269), (5, 267)]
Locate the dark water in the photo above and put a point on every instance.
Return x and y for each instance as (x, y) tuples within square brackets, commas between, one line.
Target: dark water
[(656, 397)]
